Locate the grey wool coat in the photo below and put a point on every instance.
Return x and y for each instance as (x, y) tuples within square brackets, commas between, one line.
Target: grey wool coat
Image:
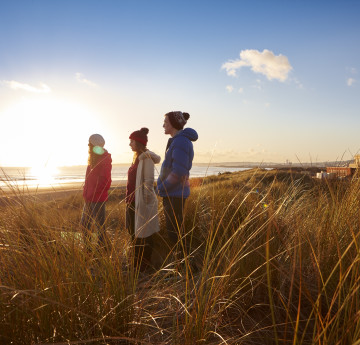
[(146, 203)]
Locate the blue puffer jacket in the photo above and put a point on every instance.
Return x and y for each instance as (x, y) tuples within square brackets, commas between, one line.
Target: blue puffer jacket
[(173, 180)]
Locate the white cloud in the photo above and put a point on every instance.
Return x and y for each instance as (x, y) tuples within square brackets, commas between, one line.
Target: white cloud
[(258, 84), (265, 62), (351, 81), (15, 85), (352, 70), (81, 79), (298, 83), (229, 88)]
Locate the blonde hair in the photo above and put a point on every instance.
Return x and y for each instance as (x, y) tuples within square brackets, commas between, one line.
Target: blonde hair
[(93, 158), (136, 155)]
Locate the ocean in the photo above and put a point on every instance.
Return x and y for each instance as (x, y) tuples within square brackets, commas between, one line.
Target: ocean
[(28, 178)]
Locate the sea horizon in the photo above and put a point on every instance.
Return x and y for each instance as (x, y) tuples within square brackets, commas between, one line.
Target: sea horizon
[(70, 176)]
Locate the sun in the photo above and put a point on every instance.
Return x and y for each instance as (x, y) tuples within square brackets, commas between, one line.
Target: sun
[(46, 132), (44, 175)]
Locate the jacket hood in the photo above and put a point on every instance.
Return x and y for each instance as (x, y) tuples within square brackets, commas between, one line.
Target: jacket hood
[(149, 154), (189, 133), (106, 158)]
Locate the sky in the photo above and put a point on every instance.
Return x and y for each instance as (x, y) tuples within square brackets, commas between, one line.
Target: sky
[(263, 81)]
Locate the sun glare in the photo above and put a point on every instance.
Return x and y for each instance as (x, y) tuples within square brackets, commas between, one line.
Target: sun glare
[(44, 175), (46, 132)]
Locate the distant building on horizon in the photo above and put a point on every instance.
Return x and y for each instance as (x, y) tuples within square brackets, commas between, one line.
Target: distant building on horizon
[(340, 171), (356, 163), (346, 170)]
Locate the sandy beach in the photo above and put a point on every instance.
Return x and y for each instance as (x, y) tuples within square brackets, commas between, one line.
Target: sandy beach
[(47, 193)]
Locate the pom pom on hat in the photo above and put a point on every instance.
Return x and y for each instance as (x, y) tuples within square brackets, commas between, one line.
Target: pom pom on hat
[(140, 136), (97, 140)]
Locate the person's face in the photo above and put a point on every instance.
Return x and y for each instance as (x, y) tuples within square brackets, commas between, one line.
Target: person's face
[(132, 144), (168, 128)]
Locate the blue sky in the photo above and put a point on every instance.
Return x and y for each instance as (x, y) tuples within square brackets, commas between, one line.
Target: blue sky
[(262, 81)]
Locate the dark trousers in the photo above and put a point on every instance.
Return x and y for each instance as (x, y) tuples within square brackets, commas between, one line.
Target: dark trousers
[(94, 212), (142, 246), (174, 218)]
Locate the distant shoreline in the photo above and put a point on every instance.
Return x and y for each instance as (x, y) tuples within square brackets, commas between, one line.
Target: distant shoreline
[(50, 193), (247, 165), (275, 166), (56, 192)]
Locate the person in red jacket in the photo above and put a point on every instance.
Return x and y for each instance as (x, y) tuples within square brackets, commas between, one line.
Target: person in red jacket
[(95, 192)]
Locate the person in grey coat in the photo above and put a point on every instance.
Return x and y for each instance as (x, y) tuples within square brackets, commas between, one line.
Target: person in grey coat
[(142, 219)]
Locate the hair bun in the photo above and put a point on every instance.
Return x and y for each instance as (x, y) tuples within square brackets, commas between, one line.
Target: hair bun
[(186, 116), (145, 130)]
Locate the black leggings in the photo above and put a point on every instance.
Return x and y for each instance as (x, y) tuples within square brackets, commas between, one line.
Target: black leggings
[(174, 214)]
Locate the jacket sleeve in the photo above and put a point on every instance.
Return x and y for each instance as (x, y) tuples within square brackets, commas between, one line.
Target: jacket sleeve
[(179, 168), (103, 181), (98, 182)]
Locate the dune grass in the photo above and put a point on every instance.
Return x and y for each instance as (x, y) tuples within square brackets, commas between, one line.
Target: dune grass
[(269, 257)]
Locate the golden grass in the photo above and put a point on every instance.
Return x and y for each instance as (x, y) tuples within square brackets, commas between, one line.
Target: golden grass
[(272, 257)]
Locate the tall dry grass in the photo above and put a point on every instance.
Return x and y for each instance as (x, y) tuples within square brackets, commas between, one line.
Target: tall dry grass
[(269, 257)]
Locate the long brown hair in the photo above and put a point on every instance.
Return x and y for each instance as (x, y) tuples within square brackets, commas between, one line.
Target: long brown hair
[(93, 158), (140, 148)]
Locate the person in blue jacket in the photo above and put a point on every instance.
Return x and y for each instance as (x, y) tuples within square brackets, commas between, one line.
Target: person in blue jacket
[(173, 182)]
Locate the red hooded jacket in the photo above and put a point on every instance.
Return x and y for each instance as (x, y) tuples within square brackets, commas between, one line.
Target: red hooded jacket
[(98, 180)]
